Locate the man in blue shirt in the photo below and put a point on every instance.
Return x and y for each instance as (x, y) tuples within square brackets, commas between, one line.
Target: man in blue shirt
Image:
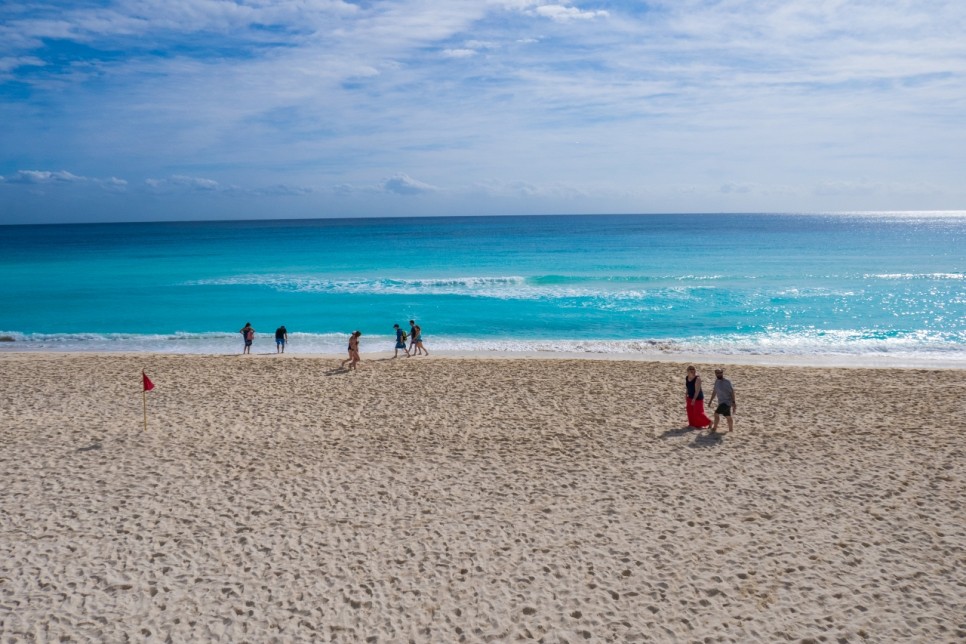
[(400, 341)]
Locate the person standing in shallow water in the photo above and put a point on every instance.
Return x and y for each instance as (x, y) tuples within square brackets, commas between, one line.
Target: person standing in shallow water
[(695, 400), (281, 338), (725, 393), (248, 333)]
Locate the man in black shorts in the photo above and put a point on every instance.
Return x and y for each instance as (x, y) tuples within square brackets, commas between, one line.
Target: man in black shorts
[(725, 393)]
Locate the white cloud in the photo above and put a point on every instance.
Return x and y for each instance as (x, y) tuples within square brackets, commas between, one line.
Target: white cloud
[(403, 184), (528, 190), (459, 53), (62, 180), (183, 182), (281, 190), (195, 182), (481, 44), (10, 63), (563, 13), (45, 176)]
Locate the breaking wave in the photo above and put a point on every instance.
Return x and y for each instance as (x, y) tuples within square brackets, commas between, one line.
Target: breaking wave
[(503, 287)]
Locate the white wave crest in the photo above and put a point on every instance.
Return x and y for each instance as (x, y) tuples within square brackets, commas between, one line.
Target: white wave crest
[(501, 287), (916, 276), (311, 284)]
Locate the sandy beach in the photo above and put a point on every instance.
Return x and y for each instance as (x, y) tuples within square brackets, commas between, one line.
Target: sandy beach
[(445, 500)]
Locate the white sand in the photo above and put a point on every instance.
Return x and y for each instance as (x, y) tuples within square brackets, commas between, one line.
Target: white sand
[(477, 500)]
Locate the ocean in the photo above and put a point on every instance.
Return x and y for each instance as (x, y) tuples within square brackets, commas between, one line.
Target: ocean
[(849, 287)]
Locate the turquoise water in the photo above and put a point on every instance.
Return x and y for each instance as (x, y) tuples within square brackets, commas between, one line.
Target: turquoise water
[(732, 284)]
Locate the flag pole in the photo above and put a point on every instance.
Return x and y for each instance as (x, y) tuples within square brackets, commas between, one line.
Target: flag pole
[(146, 386)]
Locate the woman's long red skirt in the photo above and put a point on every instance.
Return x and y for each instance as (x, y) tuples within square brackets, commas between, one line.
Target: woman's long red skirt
[(696, 416)]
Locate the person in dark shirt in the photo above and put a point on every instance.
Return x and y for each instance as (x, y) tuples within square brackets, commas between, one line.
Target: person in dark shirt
[(416, 346), (695, 400), (400, 341), (281, 337), (248, 333)]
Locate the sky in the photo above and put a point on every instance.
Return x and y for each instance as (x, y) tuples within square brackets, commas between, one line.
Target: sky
[(149, 110)]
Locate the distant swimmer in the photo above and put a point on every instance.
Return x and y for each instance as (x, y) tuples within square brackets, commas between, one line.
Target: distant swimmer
[(353, 358), (400, 341), (248, 333), (416, 346), (725, 393), (281, 338)]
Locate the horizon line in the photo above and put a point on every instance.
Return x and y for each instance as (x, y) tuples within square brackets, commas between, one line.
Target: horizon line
[(788, 213)]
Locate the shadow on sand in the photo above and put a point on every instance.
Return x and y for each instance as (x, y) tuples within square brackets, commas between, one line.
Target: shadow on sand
[(706, 440), (678, 431), (335, 371)]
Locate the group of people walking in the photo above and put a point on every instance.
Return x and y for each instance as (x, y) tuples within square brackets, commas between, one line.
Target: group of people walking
[(723, 390), (415, 348), (415, 337)]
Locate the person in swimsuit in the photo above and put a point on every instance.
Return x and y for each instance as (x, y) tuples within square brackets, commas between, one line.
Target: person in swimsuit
[(416, 346), (353, 358), (695, 400)]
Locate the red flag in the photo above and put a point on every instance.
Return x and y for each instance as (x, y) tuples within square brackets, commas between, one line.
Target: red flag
[(148, 385)]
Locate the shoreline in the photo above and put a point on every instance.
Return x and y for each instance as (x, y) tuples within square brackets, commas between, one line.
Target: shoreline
[(832, 361)]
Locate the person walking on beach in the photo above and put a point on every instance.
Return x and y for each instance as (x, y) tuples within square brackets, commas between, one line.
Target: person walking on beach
[(248, 333), (695, 400), (725, 393), (400, 341), (416, 346), (281, 337), (353, 358)]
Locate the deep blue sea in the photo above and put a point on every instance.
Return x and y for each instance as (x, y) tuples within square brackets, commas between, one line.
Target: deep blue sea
[(791, 285)]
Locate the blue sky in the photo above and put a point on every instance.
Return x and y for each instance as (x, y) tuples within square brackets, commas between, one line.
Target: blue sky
[(210, 109)]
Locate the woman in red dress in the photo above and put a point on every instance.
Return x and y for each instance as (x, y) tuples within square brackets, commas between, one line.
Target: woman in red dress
[(695, 401)]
